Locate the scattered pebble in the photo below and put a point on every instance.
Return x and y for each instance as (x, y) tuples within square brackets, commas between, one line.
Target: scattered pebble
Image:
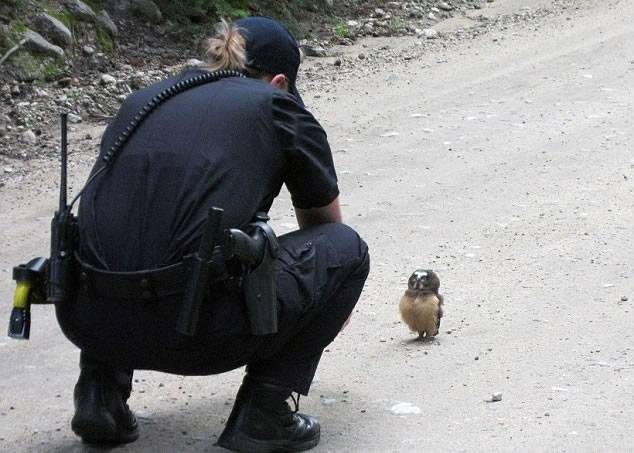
[(74, 118), (29, 137), (107, 79), (405, 409), (429, 33)]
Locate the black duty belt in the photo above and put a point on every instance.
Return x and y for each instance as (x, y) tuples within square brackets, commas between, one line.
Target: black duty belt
[(145, 284)]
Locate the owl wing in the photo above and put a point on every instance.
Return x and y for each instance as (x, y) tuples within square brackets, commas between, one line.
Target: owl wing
[(441, 301)]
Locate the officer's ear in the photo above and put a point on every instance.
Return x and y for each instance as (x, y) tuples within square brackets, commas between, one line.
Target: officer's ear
[(280, 81)]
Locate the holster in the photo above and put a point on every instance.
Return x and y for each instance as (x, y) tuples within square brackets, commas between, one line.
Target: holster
[(260, 292)]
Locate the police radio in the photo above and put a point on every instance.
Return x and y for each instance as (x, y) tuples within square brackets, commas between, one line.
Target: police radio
[(41, 280)]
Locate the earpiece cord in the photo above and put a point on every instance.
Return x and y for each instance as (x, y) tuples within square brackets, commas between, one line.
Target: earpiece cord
[(179, 87)]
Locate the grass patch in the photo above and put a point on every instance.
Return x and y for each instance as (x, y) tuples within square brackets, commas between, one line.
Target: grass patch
[(104, 41), (231, 8), (51, 71), (28, 67), (12, 35), (342, 30)]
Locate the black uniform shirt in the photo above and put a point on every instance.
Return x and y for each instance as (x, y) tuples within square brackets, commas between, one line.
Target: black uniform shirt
[(230, 143)]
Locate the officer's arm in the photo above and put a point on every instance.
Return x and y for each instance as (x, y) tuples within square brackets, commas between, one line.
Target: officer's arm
[(331, 213)]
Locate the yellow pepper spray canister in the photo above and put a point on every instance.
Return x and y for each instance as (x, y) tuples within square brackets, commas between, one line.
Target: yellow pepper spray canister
[(30, 289)]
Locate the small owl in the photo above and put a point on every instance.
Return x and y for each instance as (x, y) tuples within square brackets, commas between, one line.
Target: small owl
[(421, 305)]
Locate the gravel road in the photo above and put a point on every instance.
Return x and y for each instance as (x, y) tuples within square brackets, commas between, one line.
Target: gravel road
[(503, 162)]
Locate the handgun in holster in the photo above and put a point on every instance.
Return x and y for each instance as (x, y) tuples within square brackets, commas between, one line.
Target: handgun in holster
[(257, 248)]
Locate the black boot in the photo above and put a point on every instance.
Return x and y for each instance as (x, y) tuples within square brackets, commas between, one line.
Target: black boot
[(101, 413), (262, 421)]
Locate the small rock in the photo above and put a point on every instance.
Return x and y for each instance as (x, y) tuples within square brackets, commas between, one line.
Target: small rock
[(105, 22), (8, 169), (314, 51), (65, 82), (80, 10), (405, 409), (497, 396), (148, 10), (378, 13), (361, 56), (74, 118), (107, 79), (337, 62), (194, 63), (88, 50), (624, 299), (29, 137), (15, 90), (428, 33), (445, 6)]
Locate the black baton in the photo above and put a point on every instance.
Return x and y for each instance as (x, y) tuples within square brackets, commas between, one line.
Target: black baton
[(199, 276)]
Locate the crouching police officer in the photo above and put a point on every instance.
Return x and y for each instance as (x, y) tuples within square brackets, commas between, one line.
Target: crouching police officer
[(231, 144)]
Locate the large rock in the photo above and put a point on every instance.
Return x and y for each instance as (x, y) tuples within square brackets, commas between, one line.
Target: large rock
[(37, 44), (53, 29), (104, 21), (5, 123), (148, 10), (80, 10)]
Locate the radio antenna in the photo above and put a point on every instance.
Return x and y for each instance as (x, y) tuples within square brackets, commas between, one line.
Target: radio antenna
[(62, 182)]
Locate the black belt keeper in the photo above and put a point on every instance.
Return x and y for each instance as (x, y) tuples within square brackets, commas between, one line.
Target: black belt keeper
[(146, 284)]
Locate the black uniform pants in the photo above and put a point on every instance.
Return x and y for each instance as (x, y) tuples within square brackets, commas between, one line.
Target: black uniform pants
[(321, 272)]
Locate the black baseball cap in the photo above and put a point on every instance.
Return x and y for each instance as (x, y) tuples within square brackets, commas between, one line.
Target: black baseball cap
[(271, 48)]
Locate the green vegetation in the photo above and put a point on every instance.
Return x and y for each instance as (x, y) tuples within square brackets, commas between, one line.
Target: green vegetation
[(186, 16), (104, 41), (30, 67), (205, 11), (51, 71), (342, 30), (11, 35)]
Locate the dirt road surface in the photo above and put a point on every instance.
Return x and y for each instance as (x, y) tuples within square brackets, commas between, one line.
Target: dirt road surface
[(503, 162)]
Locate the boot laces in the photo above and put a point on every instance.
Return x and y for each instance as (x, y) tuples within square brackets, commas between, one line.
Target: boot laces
[(295, 402)]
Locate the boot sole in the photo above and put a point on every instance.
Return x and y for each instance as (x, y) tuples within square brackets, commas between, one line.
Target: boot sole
[(95, 431), (244, 444)]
